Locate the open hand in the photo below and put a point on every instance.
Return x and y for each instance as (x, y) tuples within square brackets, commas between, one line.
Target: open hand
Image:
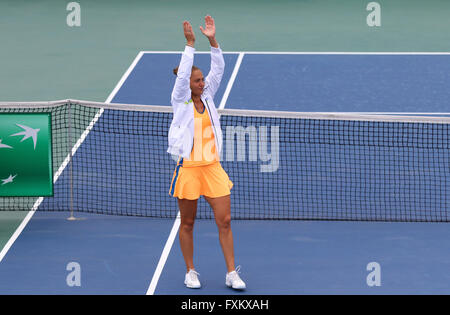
[(189, 33), (210, 28)]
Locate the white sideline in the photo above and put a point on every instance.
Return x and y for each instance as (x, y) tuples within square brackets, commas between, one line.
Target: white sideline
[(38, 202)]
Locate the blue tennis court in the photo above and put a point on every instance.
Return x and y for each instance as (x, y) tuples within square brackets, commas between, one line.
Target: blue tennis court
[(132, 255)]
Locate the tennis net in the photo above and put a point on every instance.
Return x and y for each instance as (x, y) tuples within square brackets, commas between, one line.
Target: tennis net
[(111, 159)]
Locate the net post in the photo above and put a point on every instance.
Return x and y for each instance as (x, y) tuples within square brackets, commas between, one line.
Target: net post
[(69, 147)]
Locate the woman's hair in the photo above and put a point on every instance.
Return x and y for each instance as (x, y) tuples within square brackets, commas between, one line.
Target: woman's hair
[(175, 71)]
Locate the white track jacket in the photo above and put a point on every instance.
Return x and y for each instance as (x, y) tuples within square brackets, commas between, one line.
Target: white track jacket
[(181, 132)]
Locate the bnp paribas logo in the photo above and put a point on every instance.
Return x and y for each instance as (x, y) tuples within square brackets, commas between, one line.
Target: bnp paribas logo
[(25, 155)]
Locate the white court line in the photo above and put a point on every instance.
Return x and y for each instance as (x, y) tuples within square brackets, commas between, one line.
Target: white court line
[(305, 52), (383, 113), (180, 52), (19, 229), (231, 81), (124, 77), (164, 255), (38, 202), (342, 53)]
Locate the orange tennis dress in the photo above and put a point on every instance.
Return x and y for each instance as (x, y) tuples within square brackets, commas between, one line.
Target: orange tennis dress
[(202, 173)]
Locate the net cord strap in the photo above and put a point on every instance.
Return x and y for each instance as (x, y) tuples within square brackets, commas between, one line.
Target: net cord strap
[(245, 113)]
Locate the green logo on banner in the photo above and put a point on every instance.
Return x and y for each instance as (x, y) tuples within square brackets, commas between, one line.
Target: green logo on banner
[(25, 155)]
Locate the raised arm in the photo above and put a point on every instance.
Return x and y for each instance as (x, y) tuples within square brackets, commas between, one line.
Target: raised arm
[(215, 74), (181, 90), (189, 34), (210, 31)]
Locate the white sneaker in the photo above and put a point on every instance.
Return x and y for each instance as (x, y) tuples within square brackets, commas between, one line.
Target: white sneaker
[(233, 280), (191, 279)]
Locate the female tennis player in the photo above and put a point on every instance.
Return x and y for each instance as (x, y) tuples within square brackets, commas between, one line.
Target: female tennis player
[(195, 135)]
